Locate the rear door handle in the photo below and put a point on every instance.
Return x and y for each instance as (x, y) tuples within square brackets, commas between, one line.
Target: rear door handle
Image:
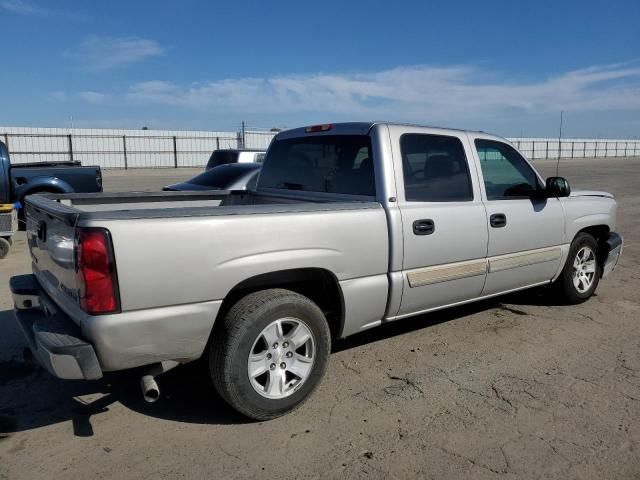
[(498, 220), (424, 227)]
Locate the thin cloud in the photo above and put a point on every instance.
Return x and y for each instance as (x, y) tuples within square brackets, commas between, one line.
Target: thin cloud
[(406, 93), (32, 9), (104, 53), (95, 98), (23, 7)]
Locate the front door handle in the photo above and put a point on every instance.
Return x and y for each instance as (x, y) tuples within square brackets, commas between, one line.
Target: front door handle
[(498, 220), (424, 227)]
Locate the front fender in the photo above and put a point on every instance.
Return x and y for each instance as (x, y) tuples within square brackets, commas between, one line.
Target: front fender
[(583, 212)]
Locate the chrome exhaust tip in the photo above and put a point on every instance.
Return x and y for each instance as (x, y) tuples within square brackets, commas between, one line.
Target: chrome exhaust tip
[(150, 389)]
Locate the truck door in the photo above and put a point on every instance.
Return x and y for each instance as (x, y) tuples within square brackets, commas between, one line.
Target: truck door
[(5, 181), (443, 218), (526, 230)]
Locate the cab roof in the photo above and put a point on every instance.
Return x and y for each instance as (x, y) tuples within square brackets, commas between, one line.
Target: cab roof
[(363, 128)]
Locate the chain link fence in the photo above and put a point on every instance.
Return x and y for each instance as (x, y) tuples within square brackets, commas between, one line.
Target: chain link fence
[(540, 149), (157, 149), (128, 149)]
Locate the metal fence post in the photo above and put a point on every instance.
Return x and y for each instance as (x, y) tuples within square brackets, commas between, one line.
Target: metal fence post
[(217, 143), (572, 144), (546, 155), (175, 152), (124, 150), (533, 150), (6, 141), (606, 149), (70, 147), (559, 149), (626, 145)]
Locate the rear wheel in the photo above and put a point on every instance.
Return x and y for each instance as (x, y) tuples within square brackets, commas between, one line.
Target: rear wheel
[(270, 353), (582, 271)]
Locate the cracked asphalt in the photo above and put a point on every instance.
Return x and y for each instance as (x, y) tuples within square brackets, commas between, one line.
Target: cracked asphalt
[(507, 388)]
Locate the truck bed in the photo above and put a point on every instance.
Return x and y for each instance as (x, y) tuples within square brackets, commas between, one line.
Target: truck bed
[(178, 248), (75, 207)]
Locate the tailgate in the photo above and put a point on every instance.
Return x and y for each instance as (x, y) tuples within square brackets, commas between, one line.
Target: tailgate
[(51, 239)]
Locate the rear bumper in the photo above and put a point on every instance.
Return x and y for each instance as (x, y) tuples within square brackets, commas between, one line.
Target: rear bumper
[(56, 342), (613, 250), (103, 343)]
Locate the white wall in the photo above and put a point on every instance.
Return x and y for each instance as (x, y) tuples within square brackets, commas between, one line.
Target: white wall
[(155, 148), (111, 148)]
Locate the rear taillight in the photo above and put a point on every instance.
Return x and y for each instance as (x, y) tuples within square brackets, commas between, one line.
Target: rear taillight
[(96, 272)]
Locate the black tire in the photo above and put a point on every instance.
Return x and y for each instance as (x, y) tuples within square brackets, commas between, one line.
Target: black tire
[(234, 339), (5, 245), (564, 285)]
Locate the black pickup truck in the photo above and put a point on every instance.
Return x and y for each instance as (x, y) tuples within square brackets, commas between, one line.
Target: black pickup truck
[(18, 181)]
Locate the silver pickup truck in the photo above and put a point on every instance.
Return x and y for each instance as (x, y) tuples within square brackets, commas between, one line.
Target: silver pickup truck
[(351, 225)]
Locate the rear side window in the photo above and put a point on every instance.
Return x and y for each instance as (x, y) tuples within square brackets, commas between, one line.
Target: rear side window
[(435, 169), (328, 164)]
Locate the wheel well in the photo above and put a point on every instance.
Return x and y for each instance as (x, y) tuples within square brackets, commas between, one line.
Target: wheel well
[(35, 190), (599, 232), (319, 285), (596, 231)]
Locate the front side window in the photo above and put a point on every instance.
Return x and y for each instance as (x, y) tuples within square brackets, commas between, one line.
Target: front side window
[(435, 169), (326, 164), (506, 174)]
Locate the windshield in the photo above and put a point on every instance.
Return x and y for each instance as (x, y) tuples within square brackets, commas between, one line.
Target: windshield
[(219, 177), (222, 157), (328, 163)]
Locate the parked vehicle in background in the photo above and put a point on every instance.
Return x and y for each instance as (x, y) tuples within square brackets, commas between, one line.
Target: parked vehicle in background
[(235, 155), (232, 176), (18, 181), (351, 226)]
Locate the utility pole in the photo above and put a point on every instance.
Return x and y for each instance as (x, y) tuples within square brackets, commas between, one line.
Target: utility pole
[(559, 143)]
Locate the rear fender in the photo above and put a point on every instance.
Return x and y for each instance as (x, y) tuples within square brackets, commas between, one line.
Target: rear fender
[(24, 186)]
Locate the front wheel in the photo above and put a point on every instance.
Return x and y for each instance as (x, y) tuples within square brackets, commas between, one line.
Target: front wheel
[(270, 353), (582, 271)]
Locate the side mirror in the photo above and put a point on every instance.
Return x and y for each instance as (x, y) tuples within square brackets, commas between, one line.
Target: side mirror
[(557, 187)]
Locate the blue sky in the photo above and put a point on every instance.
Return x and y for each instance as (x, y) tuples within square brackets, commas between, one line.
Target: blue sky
[(507, 67)]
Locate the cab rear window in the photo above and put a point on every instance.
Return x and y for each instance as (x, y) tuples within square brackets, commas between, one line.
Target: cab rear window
[(327, 164)]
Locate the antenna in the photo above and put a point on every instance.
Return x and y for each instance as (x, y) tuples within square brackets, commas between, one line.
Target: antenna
[(559, 144)]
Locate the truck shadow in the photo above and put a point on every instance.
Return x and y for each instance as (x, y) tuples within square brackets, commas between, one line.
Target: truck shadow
[(31, 398)]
